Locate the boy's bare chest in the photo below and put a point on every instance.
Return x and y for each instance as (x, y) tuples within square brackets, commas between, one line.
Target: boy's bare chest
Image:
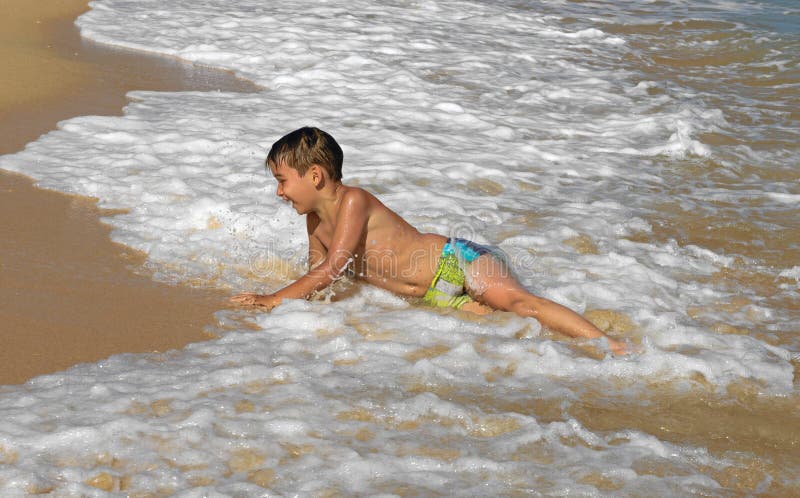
[(374, 249), (325, 234)]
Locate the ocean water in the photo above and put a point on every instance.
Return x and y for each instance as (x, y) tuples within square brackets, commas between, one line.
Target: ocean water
[(636, 160)]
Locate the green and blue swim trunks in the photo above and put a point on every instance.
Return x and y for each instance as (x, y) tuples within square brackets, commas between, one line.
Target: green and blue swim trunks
[(447, 289)]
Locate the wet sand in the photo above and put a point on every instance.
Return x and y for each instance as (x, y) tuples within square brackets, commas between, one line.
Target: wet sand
[(67, 293)]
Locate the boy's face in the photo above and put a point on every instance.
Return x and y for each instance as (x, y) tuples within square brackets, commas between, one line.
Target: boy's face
[(299, 190)]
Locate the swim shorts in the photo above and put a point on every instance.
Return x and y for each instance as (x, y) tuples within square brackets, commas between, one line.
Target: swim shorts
[(447, 287)]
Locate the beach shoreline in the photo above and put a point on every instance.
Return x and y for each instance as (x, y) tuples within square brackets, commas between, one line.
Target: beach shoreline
[(71, 295)]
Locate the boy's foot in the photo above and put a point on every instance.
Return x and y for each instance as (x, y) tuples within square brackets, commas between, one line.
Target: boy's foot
[(619, 348)]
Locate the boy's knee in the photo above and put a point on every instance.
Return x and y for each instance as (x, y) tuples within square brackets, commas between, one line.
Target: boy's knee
[(525, 304), (520, 306), (477, 307)]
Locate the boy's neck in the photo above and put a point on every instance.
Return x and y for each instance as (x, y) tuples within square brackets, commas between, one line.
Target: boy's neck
[(328, 201)]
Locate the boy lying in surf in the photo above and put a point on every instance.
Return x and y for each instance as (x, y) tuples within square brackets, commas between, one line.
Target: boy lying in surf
[(351, 230)]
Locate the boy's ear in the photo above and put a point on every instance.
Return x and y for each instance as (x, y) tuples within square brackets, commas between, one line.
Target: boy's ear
[(317, 175)]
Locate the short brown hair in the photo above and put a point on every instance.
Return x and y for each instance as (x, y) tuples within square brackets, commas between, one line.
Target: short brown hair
[(305, 147)]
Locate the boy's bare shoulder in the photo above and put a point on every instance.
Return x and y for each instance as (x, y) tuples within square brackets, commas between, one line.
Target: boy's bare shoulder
[(356, 193), (358, 198)]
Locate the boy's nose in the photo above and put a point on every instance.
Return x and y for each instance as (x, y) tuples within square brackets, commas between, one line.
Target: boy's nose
[(279, 190)]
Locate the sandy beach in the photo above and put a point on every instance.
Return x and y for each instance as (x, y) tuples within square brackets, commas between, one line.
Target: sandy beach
[(70, 295)]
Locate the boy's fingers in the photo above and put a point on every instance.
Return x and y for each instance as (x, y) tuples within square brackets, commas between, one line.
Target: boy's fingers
[(244, 299)]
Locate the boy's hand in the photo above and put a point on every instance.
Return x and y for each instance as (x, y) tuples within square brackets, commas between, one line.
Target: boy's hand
[(268, 301)]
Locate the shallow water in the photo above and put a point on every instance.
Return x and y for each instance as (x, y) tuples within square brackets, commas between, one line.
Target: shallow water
[(637, 162)]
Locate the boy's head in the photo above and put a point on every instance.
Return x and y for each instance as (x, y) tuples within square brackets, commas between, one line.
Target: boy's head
[(305, 147)]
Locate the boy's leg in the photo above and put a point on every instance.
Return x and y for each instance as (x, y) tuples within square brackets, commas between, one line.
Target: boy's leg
[(490, 281)]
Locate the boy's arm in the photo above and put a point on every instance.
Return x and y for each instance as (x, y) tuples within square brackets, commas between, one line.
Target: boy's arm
[(351, 221)]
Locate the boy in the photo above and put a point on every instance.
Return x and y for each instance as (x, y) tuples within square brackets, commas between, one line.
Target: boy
[(350, 229)]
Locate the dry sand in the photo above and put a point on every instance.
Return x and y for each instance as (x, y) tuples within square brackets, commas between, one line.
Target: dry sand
[(67, 293)]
